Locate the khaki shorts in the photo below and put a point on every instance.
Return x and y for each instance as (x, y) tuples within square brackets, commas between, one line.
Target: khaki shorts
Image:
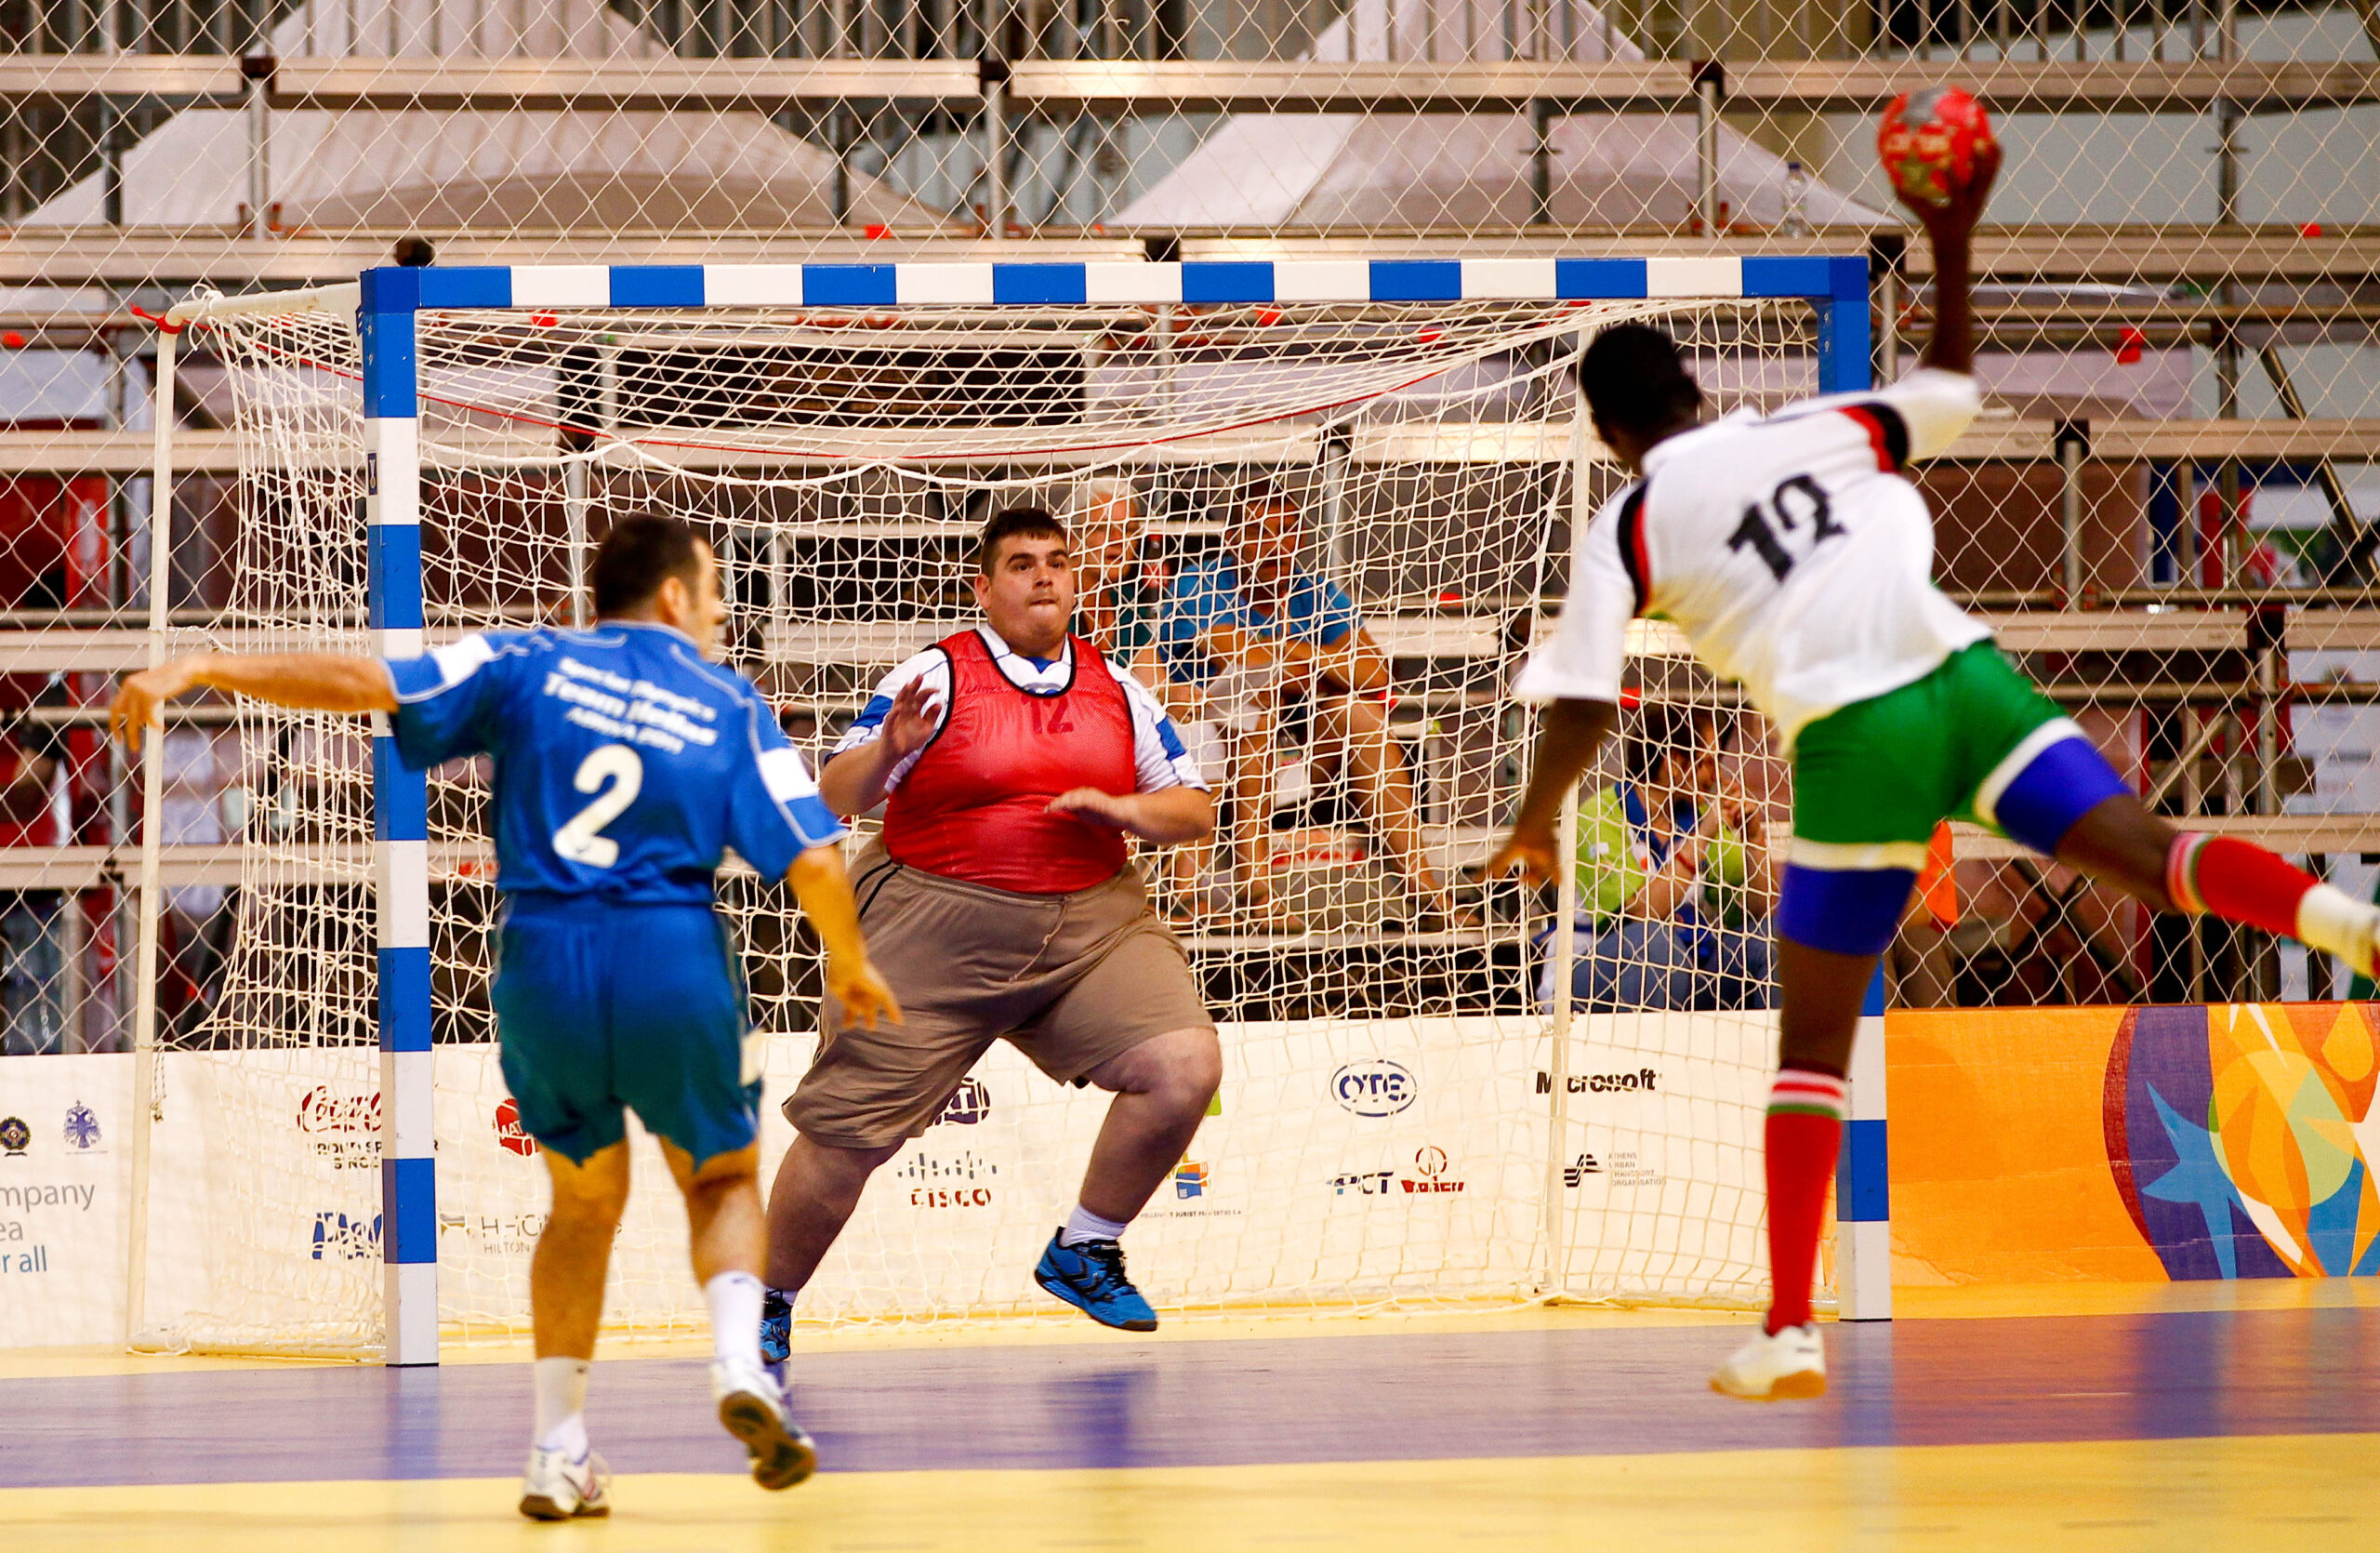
[(1072, 979)]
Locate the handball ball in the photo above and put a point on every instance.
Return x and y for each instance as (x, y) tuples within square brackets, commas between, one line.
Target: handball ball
[(1930, 140)]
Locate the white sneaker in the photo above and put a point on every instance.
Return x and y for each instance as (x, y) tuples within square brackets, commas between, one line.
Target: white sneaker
[(556, 1488), (753, 1411), (1788, 1367)]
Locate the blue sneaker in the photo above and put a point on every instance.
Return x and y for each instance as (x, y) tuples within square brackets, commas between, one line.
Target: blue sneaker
[(1090, 1278), (776, 1329)]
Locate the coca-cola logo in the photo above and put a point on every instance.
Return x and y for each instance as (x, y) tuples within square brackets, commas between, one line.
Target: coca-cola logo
[(326, 1110), (508, 1131)]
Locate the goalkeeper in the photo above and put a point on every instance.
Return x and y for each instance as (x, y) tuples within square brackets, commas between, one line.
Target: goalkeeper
[(1793, 554), (1012, 761), (625, 763)]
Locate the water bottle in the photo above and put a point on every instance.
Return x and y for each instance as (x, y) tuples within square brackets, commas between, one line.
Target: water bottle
[(1797, 201)]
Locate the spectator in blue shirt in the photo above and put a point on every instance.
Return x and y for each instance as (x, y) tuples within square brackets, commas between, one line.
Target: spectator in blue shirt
[(1256, 631)]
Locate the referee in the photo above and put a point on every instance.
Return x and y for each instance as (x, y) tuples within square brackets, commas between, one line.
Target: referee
[(1013, 760)]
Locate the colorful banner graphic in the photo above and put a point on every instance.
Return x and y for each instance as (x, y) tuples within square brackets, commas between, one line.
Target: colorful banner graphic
[(2133, 1144)]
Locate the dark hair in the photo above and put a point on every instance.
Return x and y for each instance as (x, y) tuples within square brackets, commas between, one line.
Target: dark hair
[(637, 556), (1660, 730), (1011, 523), (1261, 493), (1633, 379)]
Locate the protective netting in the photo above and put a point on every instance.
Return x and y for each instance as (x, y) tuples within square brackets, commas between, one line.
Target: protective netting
[(2177, 265), (1396, 1126)]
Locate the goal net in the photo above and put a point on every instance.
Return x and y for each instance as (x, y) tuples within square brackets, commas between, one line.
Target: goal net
[(1405, 1119)]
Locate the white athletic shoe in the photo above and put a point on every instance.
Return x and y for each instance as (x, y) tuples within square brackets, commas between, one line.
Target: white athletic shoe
[(556, 1488), (753, 1411), (1789, 1366)]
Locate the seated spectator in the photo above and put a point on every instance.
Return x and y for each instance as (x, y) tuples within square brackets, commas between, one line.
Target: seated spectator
[(1670, 864), (1263, 639), (1118, 594), (33, 813), (1116, 588)]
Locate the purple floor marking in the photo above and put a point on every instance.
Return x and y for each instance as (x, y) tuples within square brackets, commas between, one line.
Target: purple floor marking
[(1122, 1403)]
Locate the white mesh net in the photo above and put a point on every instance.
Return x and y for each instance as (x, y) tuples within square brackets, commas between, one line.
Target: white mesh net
[(2177, 260), (1395, 1126)]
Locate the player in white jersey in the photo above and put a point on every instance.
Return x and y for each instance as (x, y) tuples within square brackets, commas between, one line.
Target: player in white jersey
[(1798, 560)]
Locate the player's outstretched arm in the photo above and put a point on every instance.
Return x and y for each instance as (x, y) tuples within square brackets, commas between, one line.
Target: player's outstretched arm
[(1950, 231), (1167, 817), (823, 889), (1570, 735), (318, 682)]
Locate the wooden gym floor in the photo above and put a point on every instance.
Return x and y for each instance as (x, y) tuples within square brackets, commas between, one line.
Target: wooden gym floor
[(2231, 1416)]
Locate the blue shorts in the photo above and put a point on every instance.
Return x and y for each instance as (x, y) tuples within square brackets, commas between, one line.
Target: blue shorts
[(603, 1008)]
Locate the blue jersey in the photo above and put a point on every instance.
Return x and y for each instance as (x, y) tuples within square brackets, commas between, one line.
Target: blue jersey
[(625, 763)]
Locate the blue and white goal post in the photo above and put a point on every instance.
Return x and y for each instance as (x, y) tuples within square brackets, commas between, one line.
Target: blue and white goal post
[(391, 303)]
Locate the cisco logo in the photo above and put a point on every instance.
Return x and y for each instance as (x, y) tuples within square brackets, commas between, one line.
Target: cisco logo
[(1375, 1088)]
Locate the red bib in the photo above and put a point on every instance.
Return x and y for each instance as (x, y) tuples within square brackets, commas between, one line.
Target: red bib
[(975, 805)]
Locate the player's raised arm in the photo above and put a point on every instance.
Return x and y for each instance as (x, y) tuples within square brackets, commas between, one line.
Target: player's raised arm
[(318, 682), (1950, 231), (855, 779)]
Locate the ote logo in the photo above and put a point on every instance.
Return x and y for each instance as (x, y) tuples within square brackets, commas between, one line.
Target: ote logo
[(15, 1137), (1580, 1169), (969, 1104), (509, 1135), (1377, 1087)]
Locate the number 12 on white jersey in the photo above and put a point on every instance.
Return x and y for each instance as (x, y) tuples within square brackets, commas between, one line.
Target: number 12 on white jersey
[(1795, 500)]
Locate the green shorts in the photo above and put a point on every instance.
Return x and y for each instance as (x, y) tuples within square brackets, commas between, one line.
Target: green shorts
[(1871, 780)]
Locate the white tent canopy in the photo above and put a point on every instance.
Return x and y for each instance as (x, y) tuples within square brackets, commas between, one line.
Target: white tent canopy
[(1417, 170), (514, 170)]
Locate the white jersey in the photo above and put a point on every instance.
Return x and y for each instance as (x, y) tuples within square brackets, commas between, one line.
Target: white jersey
[(1789, 550)]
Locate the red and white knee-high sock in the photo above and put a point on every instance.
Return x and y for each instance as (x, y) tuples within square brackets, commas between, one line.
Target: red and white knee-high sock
[(2242, 882), (1804, 1136)]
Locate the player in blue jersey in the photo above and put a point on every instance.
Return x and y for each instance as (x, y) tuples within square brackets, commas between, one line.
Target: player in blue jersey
[(625, 765)]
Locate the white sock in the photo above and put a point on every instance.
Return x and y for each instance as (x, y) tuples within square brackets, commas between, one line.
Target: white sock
[(561, 1405), (735, 1299), (2331, 920), (1083, 1224)]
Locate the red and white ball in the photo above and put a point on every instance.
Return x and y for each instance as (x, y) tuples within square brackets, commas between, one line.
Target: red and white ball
[(1931, 142)]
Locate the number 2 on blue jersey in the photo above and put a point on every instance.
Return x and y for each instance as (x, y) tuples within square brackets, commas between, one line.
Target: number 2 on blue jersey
[(580, 839)]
